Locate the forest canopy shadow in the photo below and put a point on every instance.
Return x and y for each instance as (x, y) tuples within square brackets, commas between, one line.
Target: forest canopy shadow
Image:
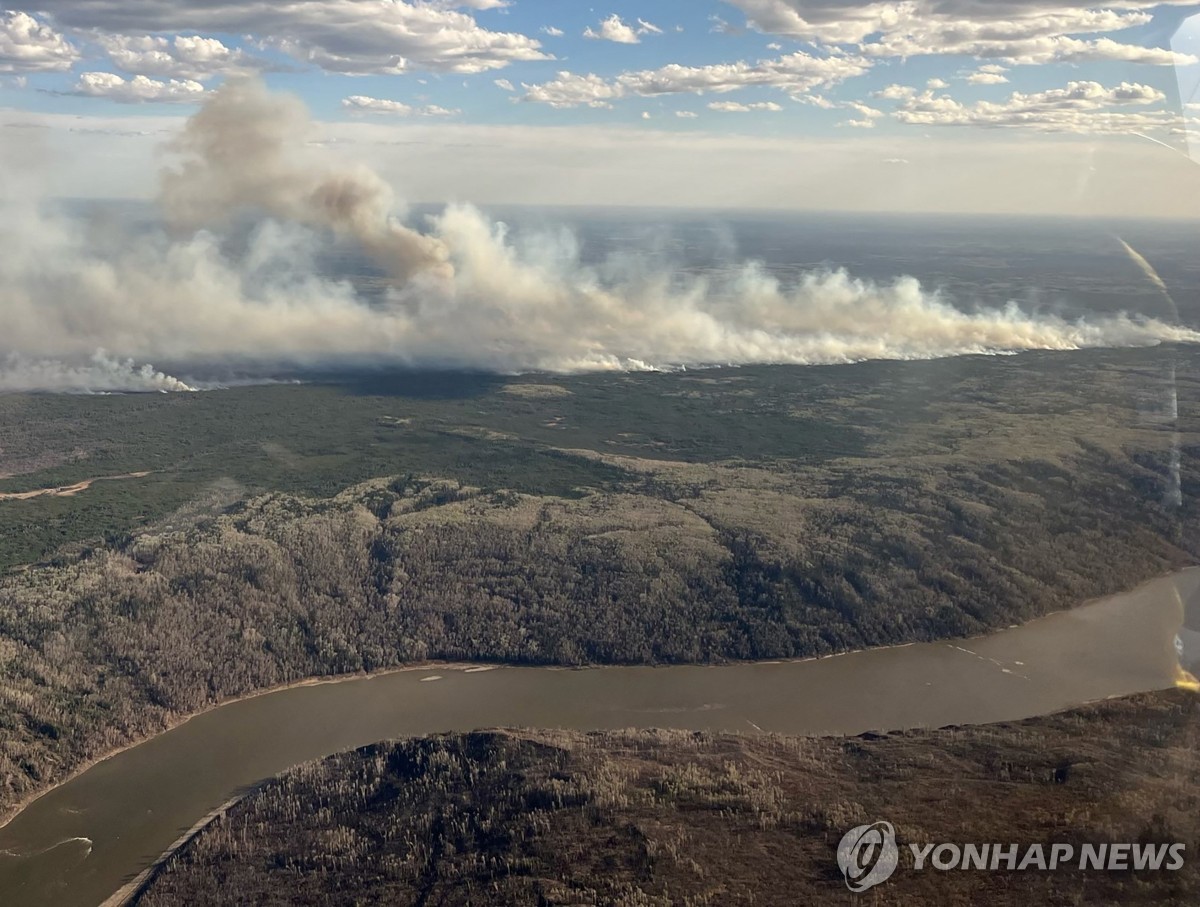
[(414, 384)]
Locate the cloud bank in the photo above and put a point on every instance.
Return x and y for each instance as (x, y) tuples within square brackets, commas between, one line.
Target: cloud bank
[(463, 292)]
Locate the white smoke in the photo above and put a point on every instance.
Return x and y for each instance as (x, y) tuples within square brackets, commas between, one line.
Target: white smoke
[(98, 376), (463, 294)]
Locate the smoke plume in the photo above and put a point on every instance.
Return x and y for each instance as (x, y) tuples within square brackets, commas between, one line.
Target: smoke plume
[(246, 149), (98, 376), (462, 293)]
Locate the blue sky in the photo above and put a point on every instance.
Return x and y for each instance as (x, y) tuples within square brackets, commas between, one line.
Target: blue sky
[(875, 78), (693, 34)]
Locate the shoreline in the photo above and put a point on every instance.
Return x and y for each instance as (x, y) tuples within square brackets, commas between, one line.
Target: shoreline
[(138, 883), (9, 815)]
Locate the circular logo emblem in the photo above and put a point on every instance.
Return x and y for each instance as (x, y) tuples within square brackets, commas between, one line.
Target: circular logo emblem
[(868, 855)]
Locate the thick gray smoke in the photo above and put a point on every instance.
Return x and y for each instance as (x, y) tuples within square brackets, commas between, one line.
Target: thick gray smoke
[(246, 148), (463, 293)]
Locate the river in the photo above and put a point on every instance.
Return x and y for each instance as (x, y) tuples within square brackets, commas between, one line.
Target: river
[(81, 841)]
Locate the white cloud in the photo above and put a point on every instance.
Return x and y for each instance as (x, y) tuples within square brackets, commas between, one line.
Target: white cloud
[(1033, 50), (362, 104), (504, 84), (863, 110), (648, 28), (613, 29), (937, 83), (894, 93), (1028, 31), (735, 107), (816, 100), (686, 114), (183, 57), (721, 27), (867, 115), (570, 90), (27, 45), (987, 75), (348, 36), (139, 89), (551, 31), (795, 73), (1080, 107)]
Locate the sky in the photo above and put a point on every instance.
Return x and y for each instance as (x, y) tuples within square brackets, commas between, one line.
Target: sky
[(998, 106)]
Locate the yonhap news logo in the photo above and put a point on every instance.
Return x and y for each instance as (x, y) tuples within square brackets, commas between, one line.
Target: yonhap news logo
[(868, 856)]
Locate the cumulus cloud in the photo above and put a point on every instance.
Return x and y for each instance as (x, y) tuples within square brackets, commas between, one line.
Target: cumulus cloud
[(795, 73), (359, 37), (551, 31), (735, 107), (613, 29), (138, 90), (570, 90), (362, 104), (989, 74), (894, 93), (867, 115), (1027, 31), (1081, 107), (473, 4), (27, 45), (191, 58), (496, 304), (1034, 50)]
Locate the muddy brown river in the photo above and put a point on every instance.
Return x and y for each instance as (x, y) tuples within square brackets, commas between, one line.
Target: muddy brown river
[(82, 841)]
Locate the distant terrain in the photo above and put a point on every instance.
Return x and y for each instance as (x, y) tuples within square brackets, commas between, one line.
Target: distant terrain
[(668, 817), (284, 532)]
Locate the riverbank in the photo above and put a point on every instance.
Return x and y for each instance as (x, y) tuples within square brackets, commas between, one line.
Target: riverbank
[(133, 804), (658, 817), (8, 815)]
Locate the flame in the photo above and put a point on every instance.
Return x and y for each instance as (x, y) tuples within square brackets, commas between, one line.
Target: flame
[(1185, 681)]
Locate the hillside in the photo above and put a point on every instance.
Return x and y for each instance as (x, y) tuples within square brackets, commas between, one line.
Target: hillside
[(749, 514), (658, 818)]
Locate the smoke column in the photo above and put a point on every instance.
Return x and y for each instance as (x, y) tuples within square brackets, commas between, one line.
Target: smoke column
[(245, 149)]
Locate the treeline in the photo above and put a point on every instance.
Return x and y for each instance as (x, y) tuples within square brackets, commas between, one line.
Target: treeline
[(660, 818)]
